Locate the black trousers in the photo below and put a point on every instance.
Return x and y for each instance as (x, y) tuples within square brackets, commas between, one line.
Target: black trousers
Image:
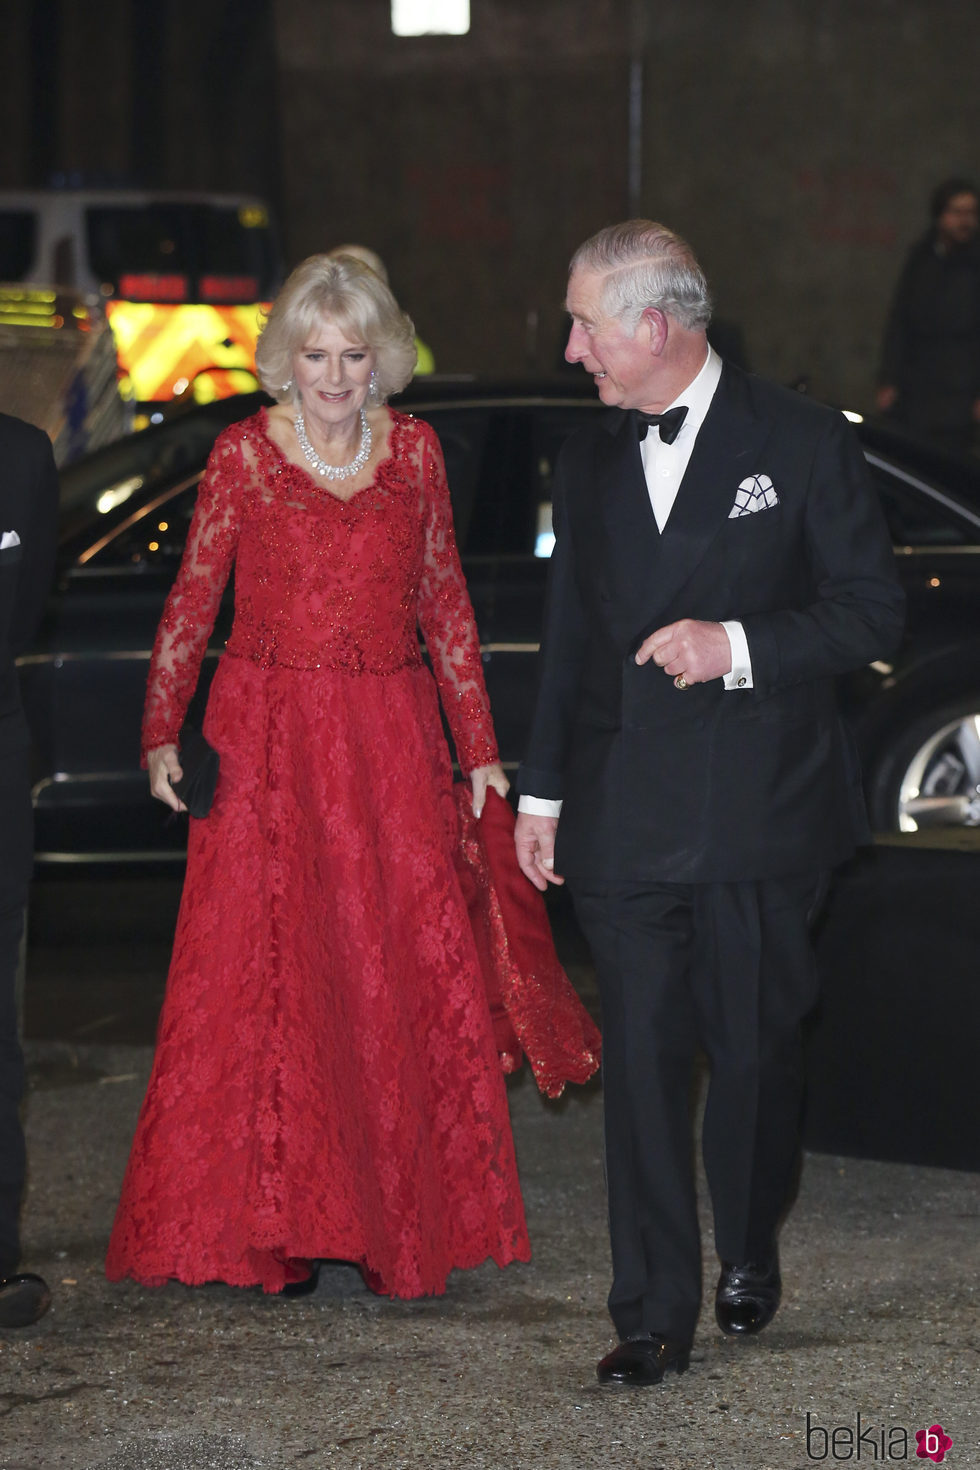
[(726, 968), (16, 860)]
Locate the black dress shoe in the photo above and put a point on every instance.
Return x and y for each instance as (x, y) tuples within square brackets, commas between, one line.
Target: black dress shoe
[(641, 1362), (747, 1296), (307, 1286), (23, 1300)]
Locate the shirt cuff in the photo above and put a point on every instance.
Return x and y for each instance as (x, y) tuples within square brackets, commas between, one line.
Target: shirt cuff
[(741, 674), (539, 806)]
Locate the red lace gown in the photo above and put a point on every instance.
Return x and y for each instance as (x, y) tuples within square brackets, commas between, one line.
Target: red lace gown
[(326, 1083)]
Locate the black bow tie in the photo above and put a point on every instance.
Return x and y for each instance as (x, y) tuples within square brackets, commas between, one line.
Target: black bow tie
[(668, 423)]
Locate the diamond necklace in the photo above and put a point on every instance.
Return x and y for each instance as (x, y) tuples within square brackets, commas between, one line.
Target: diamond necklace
[(334, 471)]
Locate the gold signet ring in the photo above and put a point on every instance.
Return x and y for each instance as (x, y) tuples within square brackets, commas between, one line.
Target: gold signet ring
[(681, 683)]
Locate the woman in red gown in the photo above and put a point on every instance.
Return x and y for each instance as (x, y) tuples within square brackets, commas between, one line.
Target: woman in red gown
[(326, 1083)]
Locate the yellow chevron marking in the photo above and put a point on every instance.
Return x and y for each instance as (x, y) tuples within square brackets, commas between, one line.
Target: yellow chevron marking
[(161, 345)]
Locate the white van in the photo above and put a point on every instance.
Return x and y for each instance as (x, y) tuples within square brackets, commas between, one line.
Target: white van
[(183, 276)]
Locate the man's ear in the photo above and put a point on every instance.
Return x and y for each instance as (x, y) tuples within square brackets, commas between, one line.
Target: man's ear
[(655, 322)]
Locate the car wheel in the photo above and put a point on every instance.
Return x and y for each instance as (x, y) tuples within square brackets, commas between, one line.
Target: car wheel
[(931, 775)]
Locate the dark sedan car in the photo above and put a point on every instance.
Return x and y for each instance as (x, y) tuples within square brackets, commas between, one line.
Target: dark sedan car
[(126, 512)]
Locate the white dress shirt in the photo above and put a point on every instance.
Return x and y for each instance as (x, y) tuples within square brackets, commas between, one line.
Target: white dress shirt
[(663, 467)]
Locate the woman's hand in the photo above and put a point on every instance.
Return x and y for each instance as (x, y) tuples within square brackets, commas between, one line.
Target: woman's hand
[(164, 767), (483, 777)]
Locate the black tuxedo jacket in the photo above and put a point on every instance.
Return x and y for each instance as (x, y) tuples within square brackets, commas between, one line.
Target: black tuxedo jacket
[(709, 784), (29, 508)]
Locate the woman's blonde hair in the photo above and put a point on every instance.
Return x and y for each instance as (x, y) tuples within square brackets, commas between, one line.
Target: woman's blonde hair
[(346, 292)]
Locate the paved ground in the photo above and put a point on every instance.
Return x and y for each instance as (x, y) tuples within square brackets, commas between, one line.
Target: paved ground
[(880, 1318)]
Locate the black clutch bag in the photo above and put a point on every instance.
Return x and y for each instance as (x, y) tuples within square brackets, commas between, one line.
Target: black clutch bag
[(200, 764)]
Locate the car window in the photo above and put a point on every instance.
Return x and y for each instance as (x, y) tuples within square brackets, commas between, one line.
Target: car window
[(153, 537), (914, 517), (18, 242), (464, 434), (151, 458), (550, 430), (499, 522), (186, 245), (500, 462)]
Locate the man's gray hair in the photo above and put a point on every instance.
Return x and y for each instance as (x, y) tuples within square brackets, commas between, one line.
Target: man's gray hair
[(646, 264)]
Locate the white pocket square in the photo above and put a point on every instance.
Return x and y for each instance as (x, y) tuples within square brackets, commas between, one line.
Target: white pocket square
[(9, 538), (755, 493)]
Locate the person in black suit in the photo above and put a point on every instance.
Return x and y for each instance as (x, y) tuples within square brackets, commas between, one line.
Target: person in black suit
[(28, 520), (720, 557)]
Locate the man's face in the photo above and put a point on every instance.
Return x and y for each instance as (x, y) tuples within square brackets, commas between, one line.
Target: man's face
[(623, 368), (958, 222)]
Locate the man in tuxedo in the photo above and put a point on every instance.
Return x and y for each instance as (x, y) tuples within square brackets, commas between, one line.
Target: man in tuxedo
[(720, 556), (28, 520)]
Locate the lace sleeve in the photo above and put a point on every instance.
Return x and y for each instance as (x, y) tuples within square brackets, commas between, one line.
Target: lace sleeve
[(192, 605), (447, 621)]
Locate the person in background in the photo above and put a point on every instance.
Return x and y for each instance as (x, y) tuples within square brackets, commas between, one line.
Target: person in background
[(929, 379), (720, 556), (425, 363), (28, 527)]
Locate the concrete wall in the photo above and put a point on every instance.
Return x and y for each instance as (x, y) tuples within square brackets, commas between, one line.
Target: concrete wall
[(472, 164), (793, 141), (155, 93), (796, 142)]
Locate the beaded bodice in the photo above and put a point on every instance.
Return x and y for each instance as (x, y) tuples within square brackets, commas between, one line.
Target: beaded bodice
[(324, 583)]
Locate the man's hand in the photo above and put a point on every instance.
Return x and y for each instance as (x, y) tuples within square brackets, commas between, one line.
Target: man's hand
[(699, 651), (534, 838), (886, 397)]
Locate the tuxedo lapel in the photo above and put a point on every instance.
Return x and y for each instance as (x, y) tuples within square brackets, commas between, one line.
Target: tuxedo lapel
[(628, 524), (727, 448)]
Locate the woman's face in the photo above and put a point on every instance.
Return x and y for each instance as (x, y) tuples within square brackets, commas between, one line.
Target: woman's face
[(332, 374)]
